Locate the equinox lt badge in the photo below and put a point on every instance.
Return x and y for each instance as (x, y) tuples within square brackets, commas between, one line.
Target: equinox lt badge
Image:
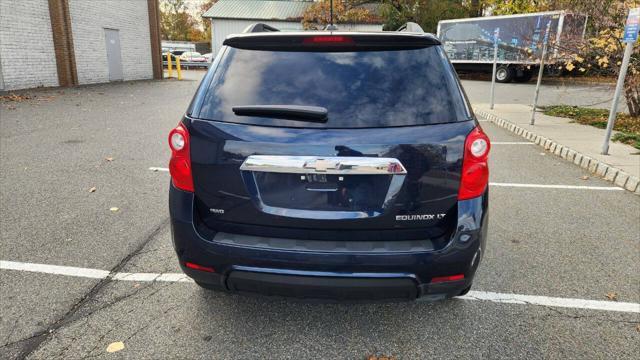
[(420, 217)]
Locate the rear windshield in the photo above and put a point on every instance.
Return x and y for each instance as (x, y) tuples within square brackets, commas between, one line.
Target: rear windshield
[(359, 89)]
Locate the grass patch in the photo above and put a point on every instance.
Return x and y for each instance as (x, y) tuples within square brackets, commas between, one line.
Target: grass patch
[(629, 126)]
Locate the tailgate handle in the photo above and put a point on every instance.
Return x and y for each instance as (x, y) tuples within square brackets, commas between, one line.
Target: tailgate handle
[(324, 165)]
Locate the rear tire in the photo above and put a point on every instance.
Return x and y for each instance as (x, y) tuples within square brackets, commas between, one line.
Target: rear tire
[(504, 74), (209, 287)]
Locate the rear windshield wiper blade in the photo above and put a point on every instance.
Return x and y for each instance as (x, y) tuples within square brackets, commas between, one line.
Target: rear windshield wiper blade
[(287, 112)]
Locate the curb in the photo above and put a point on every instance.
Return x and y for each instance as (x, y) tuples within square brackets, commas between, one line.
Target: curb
[(594, 166)]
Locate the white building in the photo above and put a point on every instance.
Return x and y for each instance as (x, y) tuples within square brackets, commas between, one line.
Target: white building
[(74, 42), (233, 16)]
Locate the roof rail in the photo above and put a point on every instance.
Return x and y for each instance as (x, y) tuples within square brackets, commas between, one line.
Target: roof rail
[(411, 27), (259, 27)]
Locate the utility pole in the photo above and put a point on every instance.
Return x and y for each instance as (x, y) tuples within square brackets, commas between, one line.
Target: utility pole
[(331, 26)]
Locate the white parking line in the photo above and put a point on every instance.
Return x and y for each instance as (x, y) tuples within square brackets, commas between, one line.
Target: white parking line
[(543, 186), (472, 295), (553, 301), (158, 169)]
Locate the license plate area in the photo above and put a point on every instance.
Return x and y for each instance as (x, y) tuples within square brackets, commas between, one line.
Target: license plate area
[(323, 187), (323, 192)]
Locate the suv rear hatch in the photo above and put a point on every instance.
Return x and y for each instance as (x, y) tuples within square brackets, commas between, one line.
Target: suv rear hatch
[(330, 137)]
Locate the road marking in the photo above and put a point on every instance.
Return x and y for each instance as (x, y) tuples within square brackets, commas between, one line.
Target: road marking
[(576, 187), (178, 277), (54, 269), (158, 169), (91, 273), (511, 143), (552, 301)]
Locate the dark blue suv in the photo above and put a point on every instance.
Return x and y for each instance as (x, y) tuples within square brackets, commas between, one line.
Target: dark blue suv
[(337, 165)]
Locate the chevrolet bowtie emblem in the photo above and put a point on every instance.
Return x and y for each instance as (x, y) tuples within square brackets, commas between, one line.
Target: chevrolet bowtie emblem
[(321, 165)]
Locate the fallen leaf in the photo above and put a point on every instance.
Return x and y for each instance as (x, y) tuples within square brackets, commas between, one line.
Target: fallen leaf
[(612, 296), (93, 189), (109, 159), (114, 209), (585, 177), (115, 347), (16, 97)]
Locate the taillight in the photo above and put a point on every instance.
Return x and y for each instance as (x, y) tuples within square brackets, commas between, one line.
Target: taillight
[(475, 170), (328, 40), (180, 163)]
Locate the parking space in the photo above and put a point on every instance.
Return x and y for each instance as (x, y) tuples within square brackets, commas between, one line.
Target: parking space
[(560, 277)]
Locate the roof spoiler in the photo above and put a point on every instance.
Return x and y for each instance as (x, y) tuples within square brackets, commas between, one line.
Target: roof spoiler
[(259, 27), (411, 27)]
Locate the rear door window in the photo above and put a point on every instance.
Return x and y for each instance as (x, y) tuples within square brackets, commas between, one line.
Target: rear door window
[(359, 89)]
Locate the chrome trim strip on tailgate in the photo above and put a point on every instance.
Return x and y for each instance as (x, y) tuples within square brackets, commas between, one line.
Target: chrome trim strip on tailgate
[(332, 165)]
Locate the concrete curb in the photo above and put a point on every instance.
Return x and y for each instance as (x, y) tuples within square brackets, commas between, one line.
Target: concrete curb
[(605, 171)]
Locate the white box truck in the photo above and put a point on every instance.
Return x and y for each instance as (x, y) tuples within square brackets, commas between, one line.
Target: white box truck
[(469, 42)]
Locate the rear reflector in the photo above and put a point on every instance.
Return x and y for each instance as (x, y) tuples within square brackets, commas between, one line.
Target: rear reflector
[(194, 266), (439, 279), (327, 40)]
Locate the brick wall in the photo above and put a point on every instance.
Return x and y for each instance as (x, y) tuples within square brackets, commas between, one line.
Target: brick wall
[(88, 21), (27, 55)]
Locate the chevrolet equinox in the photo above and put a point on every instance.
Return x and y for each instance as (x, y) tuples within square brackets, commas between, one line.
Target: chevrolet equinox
[(341, 165)]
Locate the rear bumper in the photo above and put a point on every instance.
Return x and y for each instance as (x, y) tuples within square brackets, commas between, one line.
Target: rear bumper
[(334, 274)]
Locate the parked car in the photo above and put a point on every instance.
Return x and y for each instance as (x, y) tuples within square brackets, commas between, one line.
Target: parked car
[(337, 165), (173, 57), (192, 56)]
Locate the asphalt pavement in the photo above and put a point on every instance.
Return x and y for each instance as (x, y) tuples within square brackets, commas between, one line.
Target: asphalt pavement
[(61, 245), (552, 92)]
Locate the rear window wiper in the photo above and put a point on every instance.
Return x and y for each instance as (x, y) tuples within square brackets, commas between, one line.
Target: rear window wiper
[(287, 112)]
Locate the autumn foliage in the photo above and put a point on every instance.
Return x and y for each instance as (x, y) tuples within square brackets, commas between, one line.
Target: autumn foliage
[(318, 15), (601, 52)]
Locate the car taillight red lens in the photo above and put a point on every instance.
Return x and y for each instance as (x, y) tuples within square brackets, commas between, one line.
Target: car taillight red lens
[(328, 39), (475, 170), (199, 267), (180, 163), (439, 279)]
